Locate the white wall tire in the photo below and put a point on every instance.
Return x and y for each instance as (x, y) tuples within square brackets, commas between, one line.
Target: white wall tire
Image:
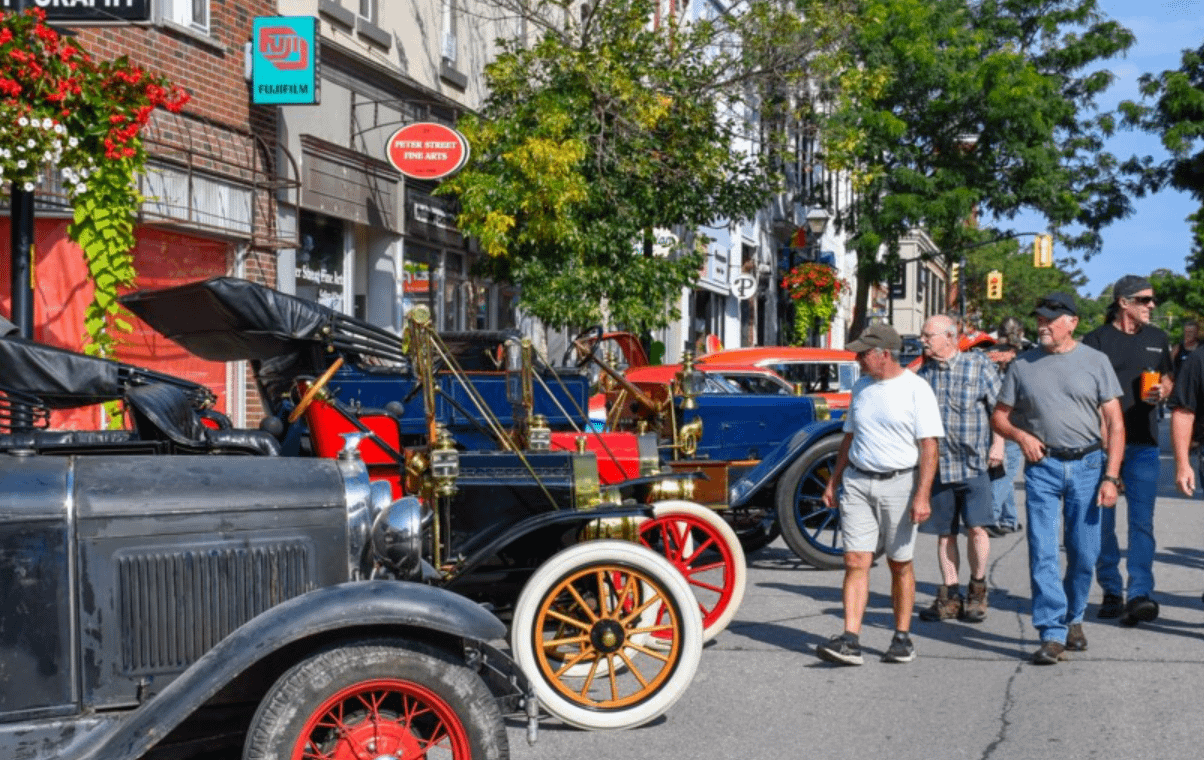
[(588, 605), (706, 551)]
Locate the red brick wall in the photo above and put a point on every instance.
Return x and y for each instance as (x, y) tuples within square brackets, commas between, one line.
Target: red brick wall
[(211, 69)]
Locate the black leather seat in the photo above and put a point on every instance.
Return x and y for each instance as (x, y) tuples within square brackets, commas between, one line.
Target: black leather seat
[(163, 412)]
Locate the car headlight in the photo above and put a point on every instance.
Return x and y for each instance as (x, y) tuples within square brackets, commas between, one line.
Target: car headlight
[(397, 537), (359, 496)]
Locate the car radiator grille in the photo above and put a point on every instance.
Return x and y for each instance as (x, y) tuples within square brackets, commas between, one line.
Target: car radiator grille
[(175, 606)]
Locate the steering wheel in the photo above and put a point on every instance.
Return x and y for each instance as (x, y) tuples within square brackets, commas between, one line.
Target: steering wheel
[(586, 352), (313, 390)]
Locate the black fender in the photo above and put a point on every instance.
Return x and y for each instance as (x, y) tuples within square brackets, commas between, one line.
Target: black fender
[(778, 459), (562, 517), (349, 605)]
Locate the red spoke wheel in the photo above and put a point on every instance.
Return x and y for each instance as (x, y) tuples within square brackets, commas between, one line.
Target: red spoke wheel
[(402, 700), (707, 552), (385, 717)]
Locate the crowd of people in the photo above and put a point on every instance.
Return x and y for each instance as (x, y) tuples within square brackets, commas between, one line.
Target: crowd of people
[(938, 450)]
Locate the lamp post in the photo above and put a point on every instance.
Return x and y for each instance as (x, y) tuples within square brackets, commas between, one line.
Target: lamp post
[(817, 221)]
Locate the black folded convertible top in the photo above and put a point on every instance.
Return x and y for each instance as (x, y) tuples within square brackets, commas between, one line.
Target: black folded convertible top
[(63, 379), (228, 319)]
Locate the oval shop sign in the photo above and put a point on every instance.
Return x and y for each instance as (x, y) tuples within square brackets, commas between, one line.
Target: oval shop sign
[(427, 150)]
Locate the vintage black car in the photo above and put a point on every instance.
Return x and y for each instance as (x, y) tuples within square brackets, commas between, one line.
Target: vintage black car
[(166, 604), (643, 635)]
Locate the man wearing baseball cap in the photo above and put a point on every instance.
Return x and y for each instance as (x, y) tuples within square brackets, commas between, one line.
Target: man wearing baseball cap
[(1135, 347), (1050, 403), (891, 427)]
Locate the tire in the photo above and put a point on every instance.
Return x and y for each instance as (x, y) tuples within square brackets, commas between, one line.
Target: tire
[(582, 633), (389, 698), (705, 550), (811, 530)]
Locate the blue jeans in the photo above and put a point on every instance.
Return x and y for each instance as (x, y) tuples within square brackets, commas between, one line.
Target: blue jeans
[(1005, 487), (1140, 475), (1060, 496)]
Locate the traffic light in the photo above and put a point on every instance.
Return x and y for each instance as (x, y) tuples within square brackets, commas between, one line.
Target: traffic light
[(994, 285), (1043, 251), (954, 273)]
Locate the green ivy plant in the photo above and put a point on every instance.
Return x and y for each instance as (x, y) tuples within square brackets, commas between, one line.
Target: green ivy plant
[(60, 108)]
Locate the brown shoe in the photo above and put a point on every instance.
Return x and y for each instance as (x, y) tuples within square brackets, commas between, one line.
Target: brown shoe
[(1076, 640), (975, 609), (1049, 653), (946, 606)]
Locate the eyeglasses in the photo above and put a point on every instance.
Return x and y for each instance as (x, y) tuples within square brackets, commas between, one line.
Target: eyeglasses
[(1143, 300)]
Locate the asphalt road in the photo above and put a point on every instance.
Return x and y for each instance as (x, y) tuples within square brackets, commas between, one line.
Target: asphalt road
[(760, 690)]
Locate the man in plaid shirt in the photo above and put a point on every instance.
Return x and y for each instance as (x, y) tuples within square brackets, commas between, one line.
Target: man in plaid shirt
[(966, 386)]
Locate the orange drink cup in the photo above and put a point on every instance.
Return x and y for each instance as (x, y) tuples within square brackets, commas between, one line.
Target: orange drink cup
[(1149, 381)]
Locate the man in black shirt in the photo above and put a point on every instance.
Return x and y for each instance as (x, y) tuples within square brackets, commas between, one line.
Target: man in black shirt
[(1133, 346)]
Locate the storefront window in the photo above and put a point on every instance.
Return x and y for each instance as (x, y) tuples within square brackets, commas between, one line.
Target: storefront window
[(507, 298), (453, 292), (319, 272), (419, 276)]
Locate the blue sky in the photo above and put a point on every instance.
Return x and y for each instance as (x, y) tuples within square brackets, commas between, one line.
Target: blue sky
[(1156, 235)]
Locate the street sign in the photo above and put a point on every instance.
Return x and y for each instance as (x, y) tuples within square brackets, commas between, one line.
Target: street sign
[(426, 150), (744, 287), (284, 60)]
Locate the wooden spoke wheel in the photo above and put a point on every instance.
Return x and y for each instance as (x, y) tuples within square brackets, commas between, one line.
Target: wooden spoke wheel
[(583, 629)]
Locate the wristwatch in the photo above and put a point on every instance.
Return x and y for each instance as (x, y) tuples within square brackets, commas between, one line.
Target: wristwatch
[(1114, 481)]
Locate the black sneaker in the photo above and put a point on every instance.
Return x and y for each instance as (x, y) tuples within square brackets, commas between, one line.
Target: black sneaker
[(844, 649), (1140, 609), (900, 650), (1112, 607)]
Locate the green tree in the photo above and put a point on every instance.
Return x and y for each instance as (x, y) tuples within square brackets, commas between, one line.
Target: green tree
[(604, 130), (944, 112)]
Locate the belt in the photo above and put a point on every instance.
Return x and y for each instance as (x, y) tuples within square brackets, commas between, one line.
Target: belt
[(882, 475), (1078, 453)]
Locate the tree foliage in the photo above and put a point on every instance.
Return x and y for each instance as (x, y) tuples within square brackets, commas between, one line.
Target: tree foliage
[(603, 130), (946, 112), (1173, 109), (1023, 284)]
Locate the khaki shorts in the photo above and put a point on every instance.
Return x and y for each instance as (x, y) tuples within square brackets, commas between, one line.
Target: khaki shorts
[(877, 513)]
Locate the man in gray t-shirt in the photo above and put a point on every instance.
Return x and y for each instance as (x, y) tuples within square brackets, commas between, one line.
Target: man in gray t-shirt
[(1051, 403)]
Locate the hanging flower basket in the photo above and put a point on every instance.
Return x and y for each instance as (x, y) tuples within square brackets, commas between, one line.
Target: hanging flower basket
[(62, 110), (814, 289)]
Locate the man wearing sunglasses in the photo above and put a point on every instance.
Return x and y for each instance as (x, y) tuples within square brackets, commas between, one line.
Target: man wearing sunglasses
[(1133, 346), (1050, 403)]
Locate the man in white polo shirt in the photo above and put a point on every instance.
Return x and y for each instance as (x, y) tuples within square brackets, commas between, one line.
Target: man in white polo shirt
[(890, 429)]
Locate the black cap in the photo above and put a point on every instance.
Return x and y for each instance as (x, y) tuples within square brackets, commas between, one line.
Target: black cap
[(1130, 284), (876, 336), (1055, 305)]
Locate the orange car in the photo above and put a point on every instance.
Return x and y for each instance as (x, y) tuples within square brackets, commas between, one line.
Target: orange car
[(827, 372)]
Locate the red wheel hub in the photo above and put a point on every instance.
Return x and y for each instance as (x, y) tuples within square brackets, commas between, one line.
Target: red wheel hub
[(390, 719)]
